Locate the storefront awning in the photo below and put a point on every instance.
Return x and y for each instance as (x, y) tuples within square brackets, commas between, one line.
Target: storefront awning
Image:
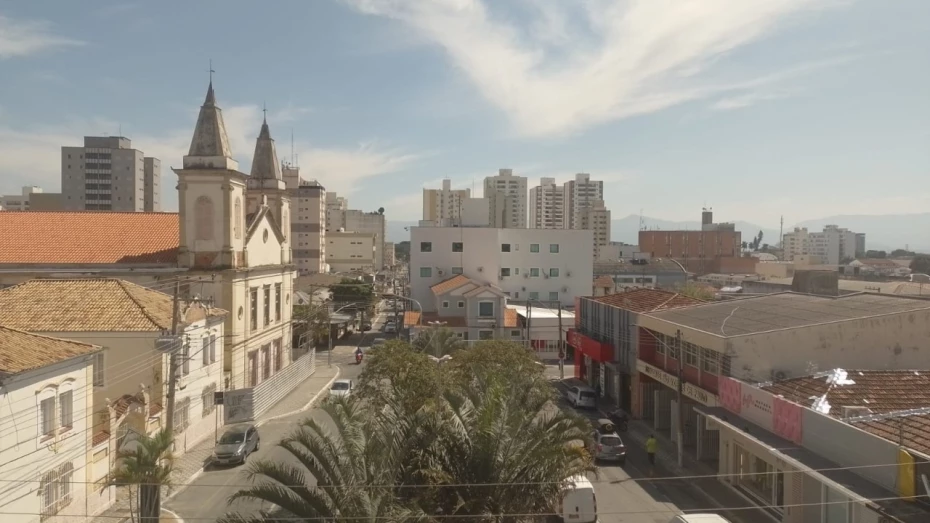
[(598, 351)]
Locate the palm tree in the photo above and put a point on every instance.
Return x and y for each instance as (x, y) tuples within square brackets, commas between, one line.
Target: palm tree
[(337, 469), (438, 342), (148, 466)]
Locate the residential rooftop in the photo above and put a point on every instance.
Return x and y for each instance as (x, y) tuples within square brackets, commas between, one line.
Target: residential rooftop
[(88, 238), (900, 288), (787, 310), (412, 319), (609, 268), (22, 351), (647, 300)]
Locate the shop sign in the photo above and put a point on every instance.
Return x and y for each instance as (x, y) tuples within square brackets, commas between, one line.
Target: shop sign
[(689, 390)]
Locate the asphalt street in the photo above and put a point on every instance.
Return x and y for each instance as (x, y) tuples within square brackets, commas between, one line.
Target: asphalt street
[(206, 497)]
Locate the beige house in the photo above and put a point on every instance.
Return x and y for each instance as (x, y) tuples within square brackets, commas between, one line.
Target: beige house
[(473, 310), (45, 441)]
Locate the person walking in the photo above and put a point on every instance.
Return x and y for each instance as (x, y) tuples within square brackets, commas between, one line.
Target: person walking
[(651, 447)]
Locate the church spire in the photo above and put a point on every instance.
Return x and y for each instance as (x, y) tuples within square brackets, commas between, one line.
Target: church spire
[(210, 144), (265, 164)]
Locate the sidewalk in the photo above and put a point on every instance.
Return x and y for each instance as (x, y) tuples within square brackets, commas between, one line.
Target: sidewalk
[(190, 465)]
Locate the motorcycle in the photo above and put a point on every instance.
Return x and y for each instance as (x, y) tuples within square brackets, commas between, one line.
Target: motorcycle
[(358, 358)]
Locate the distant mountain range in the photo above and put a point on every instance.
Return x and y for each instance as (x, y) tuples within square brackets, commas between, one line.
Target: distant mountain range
[(882, 232)]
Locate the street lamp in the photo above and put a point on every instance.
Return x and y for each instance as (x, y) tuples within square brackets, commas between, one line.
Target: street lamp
[(329, 354)]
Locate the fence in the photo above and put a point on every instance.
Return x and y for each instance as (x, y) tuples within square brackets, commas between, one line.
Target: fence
[(247, 404)]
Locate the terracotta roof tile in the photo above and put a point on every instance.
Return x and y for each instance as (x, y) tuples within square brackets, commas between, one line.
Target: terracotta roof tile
[(510, 317), (88, 238), (647, 300), (86, 305), (100, 438), (449, 284), (411, 318), (880, 391), (22, 351)]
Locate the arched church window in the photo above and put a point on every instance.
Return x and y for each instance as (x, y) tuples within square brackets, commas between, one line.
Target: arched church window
[(203, 218), (237, 225)]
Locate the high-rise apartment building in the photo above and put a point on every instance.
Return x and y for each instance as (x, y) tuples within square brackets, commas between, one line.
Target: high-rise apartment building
[(445, 203), (335, 205), (308, 221), (596, 218), (580, 193), (506, 194), (831, 246), (547, 205), (107, 174)]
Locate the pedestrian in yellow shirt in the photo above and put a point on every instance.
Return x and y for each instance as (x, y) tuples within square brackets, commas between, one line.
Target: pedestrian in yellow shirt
[(651, 446)]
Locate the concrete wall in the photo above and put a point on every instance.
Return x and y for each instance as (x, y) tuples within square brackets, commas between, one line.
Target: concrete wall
[(896, 341)]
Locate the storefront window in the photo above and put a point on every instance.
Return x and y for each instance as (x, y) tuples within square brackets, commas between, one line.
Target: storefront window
[(759, 478)]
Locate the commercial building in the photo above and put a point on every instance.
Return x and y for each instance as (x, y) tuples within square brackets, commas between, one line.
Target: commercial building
[(19, 202), (107, 174), (545, 328), (351, 251), (700, 248), (605, 337), (549, 265), (831, 246), (581, 193), (340, 218), (547, 205), (596, 218), (308, 221), (615, 251), (506, 194)]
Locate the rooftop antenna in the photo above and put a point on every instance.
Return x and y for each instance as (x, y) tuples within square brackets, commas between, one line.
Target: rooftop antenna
[(292, 147), (781, 231)]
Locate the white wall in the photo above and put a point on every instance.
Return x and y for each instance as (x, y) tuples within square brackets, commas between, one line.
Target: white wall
[(482, 260), (27, 455), (347, 251)]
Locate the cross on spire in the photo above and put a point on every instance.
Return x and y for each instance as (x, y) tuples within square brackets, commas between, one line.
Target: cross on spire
[(264, 112), (211, 71)]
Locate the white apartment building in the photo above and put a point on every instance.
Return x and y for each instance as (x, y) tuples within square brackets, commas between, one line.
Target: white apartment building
[(580, 193), (829, 247), (596, 218), (335, 205), (389, 258), (527, 264), (45, 442), (107, 174), (351, 251), (444, 204), (614, 251), (506, 194), (547, 205), (308, 221), (18, 202)]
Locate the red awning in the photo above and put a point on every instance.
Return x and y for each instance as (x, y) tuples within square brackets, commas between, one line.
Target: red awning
[(596, 350)]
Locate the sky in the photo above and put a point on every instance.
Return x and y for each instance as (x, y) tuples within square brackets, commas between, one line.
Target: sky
[(759, 109)]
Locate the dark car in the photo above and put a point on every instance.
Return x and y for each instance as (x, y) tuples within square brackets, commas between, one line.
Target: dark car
[(236, 444)]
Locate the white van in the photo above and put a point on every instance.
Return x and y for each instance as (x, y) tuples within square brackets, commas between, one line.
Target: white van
[(699, 518), (582, 397), (579, 503)]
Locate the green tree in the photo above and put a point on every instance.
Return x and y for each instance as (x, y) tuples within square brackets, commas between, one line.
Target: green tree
[(438, 342), (313, 320), (920, 264), (148, 467), (399, 373), (349, 291), (698, 292), (341, 473)]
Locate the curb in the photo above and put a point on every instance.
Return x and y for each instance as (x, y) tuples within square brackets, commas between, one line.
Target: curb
[(306, 407), (174, 514)]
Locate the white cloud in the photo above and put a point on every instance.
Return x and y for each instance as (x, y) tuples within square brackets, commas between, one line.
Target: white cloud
[(602, 61), (26, 37), (32, 156)]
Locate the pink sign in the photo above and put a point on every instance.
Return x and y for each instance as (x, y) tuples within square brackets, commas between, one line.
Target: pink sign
[(729, 394), (786, 420)]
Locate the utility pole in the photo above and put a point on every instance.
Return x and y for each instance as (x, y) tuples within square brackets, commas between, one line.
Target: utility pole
[(561, 344), (529, 338), (173, 360), (681, 411)]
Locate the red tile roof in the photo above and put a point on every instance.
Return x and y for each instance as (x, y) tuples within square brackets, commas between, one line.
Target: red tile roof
[(411, 317), (447, 285), (604, 281), (100, 437), (648, 300), (510, 317), (22, 351), (88, 238)]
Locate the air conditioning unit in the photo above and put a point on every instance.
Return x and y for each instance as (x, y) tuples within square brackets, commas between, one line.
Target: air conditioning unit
[(568, 274), (526, 275), (480, 269), (855, 411), (546, 275), (523, 289), (440, 272), (564, 289)]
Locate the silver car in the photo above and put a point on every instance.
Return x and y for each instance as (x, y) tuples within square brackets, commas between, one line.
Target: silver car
[(341, 388), (236, 444)]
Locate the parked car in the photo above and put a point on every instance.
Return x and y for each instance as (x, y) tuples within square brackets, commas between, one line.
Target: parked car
[(235, 445), (341, 388), (581, 397), (366, 326), (390, 328), (607, 444)]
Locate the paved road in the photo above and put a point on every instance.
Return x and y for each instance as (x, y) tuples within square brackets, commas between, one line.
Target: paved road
[(206, 497)]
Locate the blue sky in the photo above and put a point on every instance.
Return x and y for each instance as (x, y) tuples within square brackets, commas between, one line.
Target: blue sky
[(805, 108)]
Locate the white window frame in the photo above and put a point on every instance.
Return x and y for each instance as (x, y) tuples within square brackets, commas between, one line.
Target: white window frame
[(445, 305), (457, 270), (205, 350), (535, 270), (213, 348), (556, 293), (553, 273), (493, 310), (534, 248), (48, 413), (461, 304), (65, 408), (98, 366), (553, 248)]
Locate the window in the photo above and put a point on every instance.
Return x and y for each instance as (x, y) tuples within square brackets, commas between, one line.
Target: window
[(553, 273), (461, 304), (98, 369), (445, 305), (205, 350), (458, 247), (426, 272), (457, 270), (278, 355), (514, 334), (182, 415), (505, 272), (55, 490), (254, 311), (47, 407), (534, 272), (486, 309), (691, 354), (710, 361), (66, 409), (534, 247), (485, 335), (266, 305), (185, 358), (553, 296), (206, 398), (277, 302), (505, 247), (534, 296), (213, 348), (426, 246), (554, 248)]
